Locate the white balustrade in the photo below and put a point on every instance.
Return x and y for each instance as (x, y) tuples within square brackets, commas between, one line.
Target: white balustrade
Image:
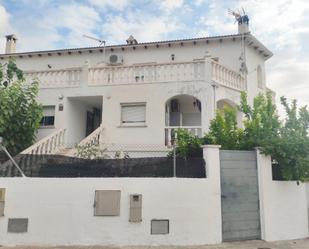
[(135, 74), (227, 77), (55, 78), (170, 132), (48, 145), (94, 138), (148, 73)]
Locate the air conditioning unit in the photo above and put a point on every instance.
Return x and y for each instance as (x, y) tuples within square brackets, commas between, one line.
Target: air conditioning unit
[(115, 59)]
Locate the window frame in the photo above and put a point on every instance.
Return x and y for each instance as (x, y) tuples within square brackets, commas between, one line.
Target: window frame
[(45, 117), (133, 124)]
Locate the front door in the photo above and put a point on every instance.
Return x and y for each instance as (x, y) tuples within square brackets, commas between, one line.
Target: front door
[(89, 123)]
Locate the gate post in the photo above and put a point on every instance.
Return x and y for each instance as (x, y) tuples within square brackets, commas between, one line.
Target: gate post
[(212, 160), (211, 155)]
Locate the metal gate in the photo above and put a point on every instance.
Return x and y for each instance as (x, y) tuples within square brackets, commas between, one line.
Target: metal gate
[(239, 195)]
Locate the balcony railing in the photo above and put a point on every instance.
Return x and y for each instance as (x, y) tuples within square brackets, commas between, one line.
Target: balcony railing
[(139, 74), (170, 134), (227, 77), (151, 73), (56, 78)]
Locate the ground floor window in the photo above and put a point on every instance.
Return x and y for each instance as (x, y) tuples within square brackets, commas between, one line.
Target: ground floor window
[(133, 113), (48, 118)]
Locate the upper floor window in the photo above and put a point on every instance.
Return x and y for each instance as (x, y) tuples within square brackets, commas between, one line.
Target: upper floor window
[(48, 118), (133, 113), (259, 77)]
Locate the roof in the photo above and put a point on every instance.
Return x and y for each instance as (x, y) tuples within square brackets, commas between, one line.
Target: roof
[(251, 41)]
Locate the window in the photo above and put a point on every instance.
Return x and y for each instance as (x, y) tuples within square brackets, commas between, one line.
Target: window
[(134, 113), (48, 118)]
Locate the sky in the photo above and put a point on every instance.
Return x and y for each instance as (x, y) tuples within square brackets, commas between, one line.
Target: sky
[(281, 25)]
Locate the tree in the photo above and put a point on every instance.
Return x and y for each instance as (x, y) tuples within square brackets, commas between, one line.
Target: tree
[(224, 131), (20, 114), (261, 123), (291, 148)]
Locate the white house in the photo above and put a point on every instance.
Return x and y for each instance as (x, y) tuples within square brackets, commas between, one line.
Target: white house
[(133, 95)]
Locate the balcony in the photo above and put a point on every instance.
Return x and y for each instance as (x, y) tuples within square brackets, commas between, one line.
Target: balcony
[(140, 74), (56, 78)]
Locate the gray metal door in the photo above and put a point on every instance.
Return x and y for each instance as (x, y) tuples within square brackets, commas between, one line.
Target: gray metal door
[(239, 195)]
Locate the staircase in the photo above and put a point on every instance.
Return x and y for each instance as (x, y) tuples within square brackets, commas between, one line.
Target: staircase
[(54, 144), (95, 138)]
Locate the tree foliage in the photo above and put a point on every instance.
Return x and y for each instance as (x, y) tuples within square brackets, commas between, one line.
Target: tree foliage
[(290, 149), (224, 130), (20, 114), (188, 145), (261, 123)]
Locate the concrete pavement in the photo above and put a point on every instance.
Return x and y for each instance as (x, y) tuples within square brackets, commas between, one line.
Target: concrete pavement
[(253, 244)]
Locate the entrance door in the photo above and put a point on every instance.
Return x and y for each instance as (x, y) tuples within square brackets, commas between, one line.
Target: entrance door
[(239, 195), (90, 123)]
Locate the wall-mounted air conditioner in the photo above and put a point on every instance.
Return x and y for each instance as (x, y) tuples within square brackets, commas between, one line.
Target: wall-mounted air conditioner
[(115, 59)]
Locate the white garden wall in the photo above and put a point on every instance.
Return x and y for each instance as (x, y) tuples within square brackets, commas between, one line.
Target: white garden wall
[(283, 205), (60, 211)]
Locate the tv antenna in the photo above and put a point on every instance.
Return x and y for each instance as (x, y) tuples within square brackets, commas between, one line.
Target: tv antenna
[(102, 42), (96, 39)]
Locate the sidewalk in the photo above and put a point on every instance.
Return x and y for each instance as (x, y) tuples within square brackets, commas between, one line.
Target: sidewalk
[(254, 244)]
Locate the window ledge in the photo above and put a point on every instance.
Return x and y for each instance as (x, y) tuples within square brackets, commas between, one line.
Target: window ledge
[(132, 126), (47, 127)]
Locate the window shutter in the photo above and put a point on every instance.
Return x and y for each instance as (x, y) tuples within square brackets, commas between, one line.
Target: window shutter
[(133, 113), (49, 110)]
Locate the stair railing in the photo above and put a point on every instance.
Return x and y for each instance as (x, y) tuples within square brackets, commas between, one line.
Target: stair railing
[(51, 144)]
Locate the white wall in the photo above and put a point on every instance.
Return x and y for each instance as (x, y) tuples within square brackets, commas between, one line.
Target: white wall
[(283, 205), (60, 211)]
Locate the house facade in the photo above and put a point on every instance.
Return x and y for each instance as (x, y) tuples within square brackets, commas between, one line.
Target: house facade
[(134, 95)]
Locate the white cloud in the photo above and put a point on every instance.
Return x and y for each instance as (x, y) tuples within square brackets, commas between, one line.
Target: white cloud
[(170, 5), (143, 27), (5, 27), (115, 4), (64, 24)]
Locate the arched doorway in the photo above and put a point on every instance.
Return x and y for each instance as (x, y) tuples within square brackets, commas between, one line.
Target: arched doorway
[(182, 112)]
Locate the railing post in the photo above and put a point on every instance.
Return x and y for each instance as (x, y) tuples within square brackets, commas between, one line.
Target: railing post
[(85, 74)]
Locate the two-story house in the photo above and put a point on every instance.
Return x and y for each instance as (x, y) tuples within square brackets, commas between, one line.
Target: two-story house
[(132, 96)]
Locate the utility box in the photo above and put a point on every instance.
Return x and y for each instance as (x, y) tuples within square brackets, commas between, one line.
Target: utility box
[(107, 203), (18, 225), (135, 208), (2, 201), (160, 226)]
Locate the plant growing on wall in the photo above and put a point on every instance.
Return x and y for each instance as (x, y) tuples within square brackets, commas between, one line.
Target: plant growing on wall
[(20, 113)]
